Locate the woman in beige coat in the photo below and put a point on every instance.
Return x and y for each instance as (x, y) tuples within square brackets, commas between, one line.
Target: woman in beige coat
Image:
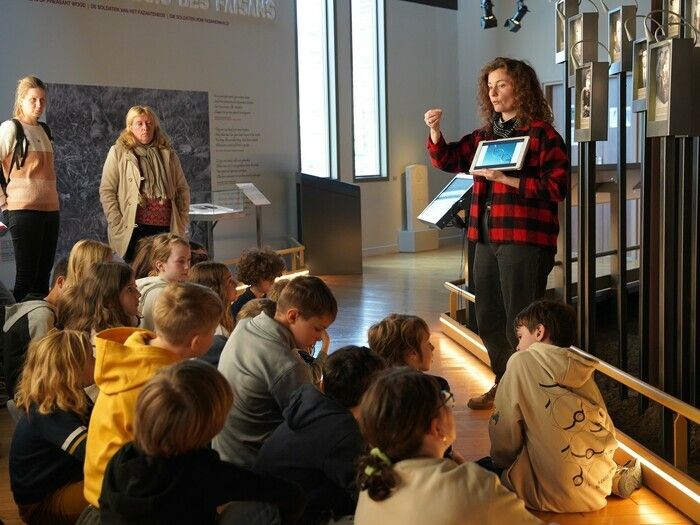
[(143, 190)]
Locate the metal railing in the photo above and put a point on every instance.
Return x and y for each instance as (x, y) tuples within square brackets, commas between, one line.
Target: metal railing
[(683, 411)]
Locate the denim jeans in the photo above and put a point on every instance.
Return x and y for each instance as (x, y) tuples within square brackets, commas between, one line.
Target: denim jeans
[(34, 238), (507, 278)]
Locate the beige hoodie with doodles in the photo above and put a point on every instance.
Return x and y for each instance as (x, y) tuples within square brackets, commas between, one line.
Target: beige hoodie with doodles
[(552, 432)]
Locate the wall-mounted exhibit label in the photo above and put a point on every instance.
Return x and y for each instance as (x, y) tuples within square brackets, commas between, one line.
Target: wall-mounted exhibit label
[(208, 11), (236, 140)]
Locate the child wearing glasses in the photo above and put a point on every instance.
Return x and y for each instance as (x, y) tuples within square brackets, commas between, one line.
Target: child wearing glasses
[(405, 479)]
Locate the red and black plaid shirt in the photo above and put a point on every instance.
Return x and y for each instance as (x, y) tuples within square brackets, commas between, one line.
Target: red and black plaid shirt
[(524, 215)]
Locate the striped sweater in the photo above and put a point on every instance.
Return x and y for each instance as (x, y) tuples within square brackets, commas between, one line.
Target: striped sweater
[(33, 187)]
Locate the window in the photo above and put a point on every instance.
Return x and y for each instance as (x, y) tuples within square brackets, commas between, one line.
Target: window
[(316, 84), (368, 88)]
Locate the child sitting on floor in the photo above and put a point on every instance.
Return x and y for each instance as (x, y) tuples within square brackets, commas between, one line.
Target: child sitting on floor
[(218, 278), (169, 475), (48, 444), (262, 365), (321, 429), (170, 259), (405, 480), (257, 268), (185, 317), (107, 298), (550, 429)]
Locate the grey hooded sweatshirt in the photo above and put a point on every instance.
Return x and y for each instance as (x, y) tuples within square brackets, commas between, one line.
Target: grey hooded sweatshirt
[(264, 369)]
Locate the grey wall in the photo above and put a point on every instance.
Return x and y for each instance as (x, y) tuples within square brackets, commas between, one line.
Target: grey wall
[(251, 56)]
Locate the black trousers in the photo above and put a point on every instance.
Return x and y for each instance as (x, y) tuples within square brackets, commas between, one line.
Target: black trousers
[(507, 278), (34, 238)]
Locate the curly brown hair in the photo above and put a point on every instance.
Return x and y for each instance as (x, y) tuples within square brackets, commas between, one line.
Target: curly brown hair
[(530, 104), (259, 264)]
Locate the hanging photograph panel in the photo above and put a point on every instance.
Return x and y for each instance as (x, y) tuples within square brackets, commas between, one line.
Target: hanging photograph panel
[(621, 48), (639, 75), (671, 85), (692, 16), (583, 26), (591, 102), (563, 10), (672, 23)]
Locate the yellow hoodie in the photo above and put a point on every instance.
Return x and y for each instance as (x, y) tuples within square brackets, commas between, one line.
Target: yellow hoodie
[(124, 363)]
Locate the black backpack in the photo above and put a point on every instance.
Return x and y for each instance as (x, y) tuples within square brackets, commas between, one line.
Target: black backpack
[(19, 155)]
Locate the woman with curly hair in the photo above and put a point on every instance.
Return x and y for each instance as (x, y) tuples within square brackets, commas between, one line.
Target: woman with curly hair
[(405, 480), (143, 189), (513, 218)]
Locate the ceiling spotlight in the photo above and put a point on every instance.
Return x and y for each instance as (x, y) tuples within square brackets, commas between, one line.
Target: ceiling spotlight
[(513, 23), (488, 20)]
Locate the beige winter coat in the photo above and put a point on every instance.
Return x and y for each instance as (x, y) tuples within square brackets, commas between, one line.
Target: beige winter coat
[(551, 429), (119, 194)]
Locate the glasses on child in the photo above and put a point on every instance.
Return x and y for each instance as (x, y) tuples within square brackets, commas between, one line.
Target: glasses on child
[(448, 399)]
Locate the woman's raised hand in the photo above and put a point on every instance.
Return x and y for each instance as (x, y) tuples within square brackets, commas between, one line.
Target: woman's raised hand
[(432, 119)]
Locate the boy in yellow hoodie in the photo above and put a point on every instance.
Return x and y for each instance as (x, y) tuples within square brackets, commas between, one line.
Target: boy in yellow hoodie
[(185, 316)]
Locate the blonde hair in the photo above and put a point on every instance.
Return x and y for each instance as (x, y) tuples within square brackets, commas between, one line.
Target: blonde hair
[(255, 306), (162, 246), (185, 309), (23, 86), (94, 304), (276, 289), (52, 377), (214, 275), (126, 137), (181, 409), (395, 336), (83, 255)]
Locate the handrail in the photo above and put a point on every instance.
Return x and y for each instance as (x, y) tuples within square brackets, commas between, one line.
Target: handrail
[(659, 396), (653, 393)]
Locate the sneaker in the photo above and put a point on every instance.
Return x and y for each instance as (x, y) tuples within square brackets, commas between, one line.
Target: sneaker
[(484, 401), (627, 479)]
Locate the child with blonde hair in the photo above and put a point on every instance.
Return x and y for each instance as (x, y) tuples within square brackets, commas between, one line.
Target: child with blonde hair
[(218, 278), (170, 262), (256, 307), (107, 298), (404, 340), (83, 255), (168, 474), (185, 317), (48, 444)]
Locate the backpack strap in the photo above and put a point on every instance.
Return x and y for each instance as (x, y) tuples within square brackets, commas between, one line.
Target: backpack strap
[(19, 153), (21, 150)]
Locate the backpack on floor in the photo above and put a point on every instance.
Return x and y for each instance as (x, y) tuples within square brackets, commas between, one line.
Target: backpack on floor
[(19, 154)]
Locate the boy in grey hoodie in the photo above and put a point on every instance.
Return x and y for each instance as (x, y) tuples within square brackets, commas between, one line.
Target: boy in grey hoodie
[(550, 429), (263, 367)]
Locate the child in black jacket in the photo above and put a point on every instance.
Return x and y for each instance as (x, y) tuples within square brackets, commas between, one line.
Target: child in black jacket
[(168, 475)]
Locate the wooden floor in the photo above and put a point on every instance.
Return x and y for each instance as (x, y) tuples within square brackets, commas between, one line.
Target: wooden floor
[(412, 283)]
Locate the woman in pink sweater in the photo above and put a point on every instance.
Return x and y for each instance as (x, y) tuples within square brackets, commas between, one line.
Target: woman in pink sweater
[(29, 192)]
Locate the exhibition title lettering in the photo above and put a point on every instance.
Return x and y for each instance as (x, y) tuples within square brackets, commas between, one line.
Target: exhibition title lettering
[(257, 8)]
